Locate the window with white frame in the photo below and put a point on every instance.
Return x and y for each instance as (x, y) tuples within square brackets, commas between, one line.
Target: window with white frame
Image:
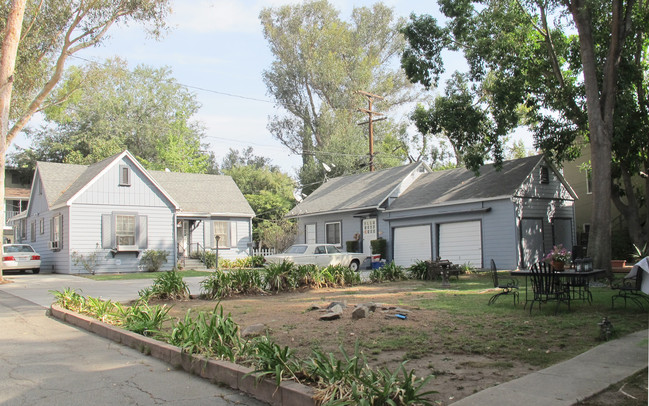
[(32, 233), (124, 176), (221, 234), (332, 233), (125, 230), (56, 232)]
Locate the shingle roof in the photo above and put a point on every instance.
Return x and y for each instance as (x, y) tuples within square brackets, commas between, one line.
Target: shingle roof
[(460, 184), (365, 190), (201, 193), (194, 193)]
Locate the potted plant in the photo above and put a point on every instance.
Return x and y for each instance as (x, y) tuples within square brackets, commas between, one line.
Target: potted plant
[(558, 257)]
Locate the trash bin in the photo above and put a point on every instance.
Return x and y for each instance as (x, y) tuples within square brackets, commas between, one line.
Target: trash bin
[(376, 258)]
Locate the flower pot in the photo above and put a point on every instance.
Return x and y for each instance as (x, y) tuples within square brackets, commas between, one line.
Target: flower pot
[(558, 265)]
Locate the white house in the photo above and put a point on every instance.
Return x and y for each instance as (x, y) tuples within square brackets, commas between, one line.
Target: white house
[(115, 209)]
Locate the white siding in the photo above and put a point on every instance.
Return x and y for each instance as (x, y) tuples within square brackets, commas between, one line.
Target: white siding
[(86, 236), (239, 235), (106, 190)]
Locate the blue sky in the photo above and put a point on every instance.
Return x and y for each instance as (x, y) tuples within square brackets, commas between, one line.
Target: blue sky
[(218, 46)]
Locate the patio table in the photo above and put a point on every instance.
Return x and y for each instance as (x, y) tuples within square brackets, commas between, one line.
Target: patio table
[(576, 281)]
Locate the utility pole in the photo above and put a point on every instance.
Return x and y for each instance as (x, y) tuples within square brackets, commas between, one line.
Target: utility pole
[(371, 121)]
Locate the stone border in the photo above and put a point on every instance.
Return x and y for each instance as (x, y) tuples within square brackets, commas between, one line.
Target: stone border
[(289, 393)]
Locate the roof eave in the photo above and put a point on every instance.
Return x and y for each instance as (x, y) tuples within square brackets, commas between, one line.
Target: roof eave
[(449, 203), (291, 216)]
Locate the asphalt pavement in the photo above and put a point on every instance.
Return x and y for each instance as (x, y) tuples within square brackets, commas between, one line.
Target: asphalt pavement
[(46, 362)]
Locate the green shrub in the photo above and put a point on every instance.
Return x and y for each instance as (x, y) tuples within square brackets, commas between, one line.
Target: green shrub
[(70, 299), (246, 281), (216, 286), (144, 319), (153, 259), (210, 334), (388, 272), (257, 261), (279, 277), (379, 246), (169, 285), (209, 259), (270, 359), (352, 246)]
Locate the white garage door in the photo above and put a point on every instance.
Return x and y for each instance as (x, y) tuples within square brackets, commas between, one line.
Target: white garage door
[(461, 243), (411, 244)]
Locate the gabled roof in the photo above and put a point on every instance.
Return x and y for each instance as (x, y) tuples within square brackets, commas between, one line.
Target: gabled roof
[(188, 192), (461, 184), (354, 192), (204, 194)]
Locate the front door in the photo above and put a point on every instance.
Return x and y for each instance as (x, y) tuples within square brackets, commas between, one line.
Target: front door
[(531, 241), (185, 237), (369, 234)]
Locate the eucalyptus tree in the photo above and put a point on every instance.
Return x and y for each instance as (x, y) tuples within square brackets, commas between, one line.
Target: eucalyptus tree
[(320, 63), (37, 38), (561, 62)]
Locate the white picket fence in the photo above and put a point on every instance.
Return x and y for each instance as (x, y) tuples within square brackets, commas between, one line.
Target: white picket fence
[(263, 252)]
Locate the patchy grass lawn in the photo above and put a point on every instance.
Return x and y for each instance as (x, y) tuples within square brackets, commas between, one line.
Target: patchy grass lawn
[(449, 333)]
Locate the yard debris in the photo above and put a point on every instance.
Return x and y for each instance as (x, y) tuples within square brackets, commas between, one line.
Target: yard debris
[(334, 313), (312, 308), (360, 312), (254, 330)]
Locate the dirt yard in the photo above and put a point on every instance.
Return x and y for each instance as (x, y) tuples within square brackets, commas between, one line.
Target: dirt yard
[(386, 339)]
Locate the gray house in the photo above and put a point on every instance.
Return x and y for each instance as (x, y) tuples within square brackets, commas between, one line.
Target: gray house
[(511, 216), (115, 209)]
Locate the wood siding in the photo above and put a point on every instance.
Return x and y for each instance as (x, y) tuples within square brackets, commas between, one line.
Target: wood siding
[(240, 237)]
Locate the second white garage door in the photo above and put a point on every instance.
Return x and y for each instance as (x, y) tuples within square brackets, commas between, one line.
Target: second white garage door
[(461, 243), (411, 244)]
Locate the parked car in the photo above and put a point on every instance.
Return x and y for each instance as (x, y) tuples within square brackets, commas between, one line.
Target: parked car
[(319, 254), (20, 257)]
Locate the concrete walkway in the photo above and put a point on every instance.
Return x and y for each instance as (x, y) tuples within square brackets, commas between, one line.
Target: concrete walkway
[(570, 381)]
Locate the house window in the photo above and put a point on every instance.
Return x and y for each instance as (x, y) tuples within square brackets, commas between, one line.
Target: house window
[(42, 226), (125, 230), (310, 233), (545, 175), (589, 181), (56, 231), (221, 234), (332, 233), (124, 176), (23, 229), (32, 233)]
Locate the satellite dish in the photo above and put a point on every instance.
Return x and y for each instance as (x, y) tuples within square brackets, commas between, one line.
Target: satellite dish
[(326, 167), (299, 196)]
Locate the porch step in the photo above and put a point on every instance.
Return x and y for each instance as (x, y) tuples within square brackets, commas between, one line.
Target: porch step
[(195, 264)]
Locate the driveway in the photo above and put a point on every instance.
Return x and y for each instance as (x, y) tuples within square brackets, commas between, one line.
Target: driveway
[(46, 362)]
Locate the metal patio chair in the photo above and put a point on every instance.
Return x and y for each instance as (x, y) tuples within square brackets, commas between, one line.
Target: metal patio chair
[(506, 288), (548, 287)]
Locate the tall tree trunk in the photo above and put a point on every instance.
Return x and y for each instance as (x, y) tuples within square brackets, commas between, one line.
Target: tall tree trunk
[(7, 67)]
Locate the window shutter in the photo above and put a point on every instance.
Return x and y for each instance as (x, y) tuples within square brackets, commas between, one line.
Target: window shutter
[(212, 242), (52, 229), (233, 234), (107, 235), (60, 220), (142, 232)]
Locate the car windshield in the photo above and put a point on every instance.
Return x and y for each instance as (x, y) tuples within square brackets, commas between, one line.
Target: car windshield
[(296, 249), (17, 248)]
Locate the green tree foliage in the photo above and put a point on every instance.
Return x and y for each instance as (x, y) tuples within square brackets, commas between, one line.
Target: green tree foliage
[(565, 64), (268, 191), (320, 62), (110, 108), (38, 36)]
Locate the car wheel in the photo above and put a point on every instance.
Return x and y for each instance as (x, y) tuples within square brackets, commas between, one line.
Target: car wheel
[(354, 265), (35, 271)]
